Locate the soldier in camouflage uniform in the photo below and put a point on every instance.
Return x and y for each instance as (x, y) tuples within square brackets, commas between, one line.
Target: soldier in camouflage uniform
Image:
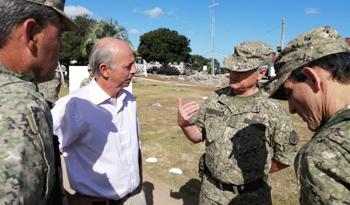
[(29, 49), (313, 73), (247, 135), (88, 79), (50, 89)]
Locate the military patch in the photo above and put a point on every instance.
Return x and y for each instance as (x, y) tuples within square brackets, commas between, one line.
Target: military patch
[(293, 138), (254, 120), (215, 112)]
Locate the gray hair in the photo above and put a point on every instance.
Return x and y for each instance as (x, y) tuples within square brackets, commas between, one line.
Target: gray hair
[(101, 55), (14, 12)]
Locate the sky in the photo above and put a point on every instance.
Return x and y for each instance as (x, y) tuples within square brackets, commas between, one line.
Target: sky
[(235, 20)]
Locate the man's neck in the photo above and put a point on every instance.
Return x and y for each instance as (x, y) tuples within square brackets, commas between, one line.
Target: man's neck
[(336, 98), (13, 62), (112, 91)]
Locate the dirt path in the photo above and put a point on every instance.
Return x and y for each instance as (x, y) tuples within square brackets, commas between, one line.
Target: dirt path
[(157, 193)]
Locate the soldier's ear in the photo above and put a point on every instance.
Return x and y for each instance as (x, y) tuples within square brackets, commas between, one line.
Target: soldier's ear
[(313, 80), (31, 34), (261, 72)]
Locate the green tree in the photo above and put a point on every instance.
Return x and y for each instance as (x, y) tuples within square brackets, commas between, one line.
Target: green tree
[(72, 41), (197, 62), (165, 46), (103, 29), (77, 45)]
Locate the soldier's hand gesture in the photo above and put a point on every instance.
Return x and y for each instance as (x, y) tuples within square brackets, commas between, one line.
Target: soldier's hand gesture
[(186, 112)]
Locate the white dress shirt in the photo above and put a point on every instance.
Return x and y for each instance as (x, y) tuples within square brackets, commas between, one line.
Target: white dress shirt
[(99, 137)]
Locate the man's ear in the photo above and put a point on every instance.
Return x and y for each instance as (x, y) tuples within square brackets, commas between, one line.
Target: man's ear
[(312, 79), (104, 70), (32, 31), (261, 73)]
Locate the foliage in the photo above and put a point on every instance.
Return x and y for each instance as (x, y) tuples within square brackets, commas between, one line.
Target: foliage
[(102, 29), (197, 62), (77, 45), (165, 46), (73, 41)]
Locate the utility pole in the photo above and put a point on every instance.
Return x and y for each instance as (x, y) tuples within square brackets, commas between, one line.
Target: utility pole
[(282, 35), (212, 21)]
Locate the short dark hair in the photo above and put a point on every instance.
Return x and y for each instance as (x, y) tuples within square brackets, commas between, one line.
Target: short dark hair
[(14, 12), (337, 64)]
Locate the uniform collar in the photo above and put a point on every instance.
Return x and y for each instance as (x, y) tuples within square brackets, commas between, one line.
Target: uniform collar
[(29, 76)]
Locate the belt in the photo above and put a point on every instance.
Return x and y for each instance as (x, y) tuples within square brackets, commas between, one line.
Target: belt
[(99, 200), (237, 189), (104, 201)]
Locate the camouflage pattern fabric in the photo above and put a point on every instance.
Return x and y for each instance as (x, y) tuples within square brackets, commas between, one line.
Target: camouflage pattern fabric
[(27, 164), (305, 48), (50, 89), (86, 81), (248, 55), (322, 165), (242, 135)]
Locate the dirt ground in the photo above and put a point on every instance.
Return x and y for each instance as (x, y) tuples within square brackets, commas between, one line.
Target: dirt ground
[(162, 138)]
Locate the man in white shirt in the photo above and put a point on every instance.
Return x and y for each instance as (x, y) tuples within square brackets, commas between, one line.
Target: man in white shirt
[(98, 131)]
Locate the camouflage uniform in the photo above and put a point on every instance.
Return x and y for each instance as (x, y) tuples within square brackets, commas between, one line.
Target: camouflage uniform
[(243, 135), (86, 81), (322, 165), (50, 89), (27, 163)]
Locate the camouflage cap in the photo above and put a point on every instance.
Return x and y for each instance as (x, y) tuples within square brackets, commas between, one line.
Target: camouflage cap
[(248, 55), (58, 6), (309, 46)]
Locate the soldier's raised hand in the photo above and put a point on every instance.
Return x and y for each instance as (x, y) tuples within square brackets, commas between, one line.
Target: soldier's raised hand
[(186, 112)]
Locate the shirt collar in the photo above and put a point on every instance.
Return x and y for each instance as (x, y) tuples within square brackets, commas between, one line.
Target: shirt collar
[(100, 96)]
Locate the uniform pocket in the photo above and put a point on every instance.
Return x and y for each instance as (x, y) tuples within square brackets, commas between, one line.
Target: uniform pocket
[(214, 127)]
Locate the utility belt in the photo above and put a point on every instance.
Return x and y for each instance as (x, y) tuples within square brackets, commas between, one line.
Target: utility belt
[(237, 189)]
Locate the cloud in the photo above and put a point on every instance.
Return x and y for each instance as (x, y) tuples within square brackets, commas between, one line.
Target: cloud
[(311, 11), (154, 13), (133, 31), (72, 11)]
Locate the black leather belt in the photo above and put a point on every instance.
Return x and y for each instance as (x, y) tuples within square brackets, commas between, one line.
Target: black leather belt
[(104, 201), (107, 202), (237, 189)]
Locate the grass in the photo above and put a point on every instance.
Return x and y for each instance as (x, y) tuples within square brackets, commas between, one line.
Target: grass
[(162, 138)]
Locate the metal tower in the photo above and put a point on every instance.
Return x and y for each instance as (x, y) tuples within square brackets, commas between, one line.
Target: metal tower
[(212, 21)]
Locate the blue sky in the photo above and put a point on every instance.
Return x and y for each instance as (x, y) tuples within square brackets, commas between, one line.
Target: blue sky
[(236, 20)]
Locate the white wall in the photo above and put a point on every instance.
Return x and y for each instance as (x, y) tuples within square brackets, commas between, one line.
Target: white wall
[(76, 75)]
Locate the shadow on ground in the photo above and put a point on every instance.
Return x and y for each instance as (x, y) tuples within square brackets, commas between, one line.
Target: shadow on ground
[(189, 192)]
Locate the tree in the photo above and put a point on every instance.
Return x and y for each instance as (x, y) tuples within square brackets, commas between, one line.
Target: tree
[(165, 46), (197, 62), (72, 41), (103, 29), (77, 45)]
